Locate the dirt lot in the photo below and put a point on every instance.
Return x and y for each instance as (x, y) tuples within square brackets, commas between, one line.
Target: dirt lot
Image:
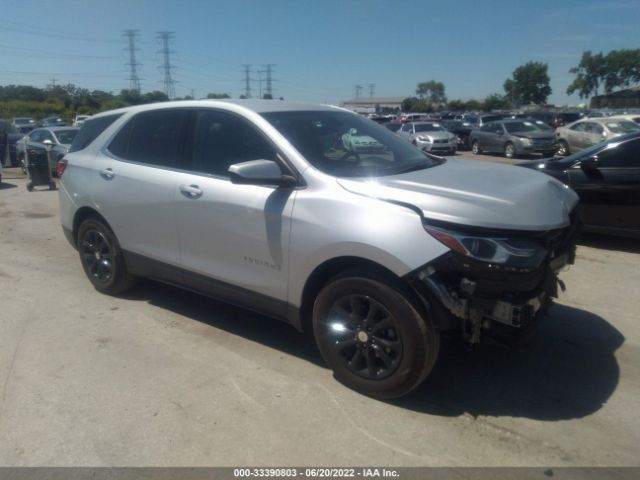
[(164, 377)]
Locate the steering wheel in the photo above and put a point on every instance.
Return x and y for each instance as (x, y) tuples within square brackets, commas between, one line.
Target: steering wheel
[(350, 153)]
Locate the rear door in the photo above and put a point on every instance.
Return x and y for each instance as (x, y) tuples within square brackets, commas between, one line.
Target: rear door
[(610, 193), (134, 185), (594, 133)]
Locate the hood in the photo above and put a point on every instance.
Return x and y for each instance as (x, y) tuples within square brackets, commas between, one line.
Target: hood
[(548, 135), (435, 135), (476, 193)]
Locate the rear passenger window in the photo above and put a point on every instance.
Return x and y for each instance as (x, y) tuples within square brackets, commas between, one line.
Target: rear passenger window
[(221, 139), (151, 137), (90, 130)]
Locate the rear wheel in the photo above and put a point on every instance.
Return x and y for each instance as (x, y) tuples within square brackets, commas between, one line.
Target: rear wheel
[(373, 336), (563, 148), (475, 148), (102, 258)]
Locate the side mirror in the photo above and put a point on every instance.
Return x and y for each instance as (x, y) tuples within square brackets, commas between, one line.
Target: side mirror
[(260, 172), (590, 163), (48, 144)]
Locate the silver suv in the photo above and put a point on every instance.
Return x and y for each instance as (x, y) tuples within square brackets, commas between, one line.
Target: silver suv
[(376, 252)]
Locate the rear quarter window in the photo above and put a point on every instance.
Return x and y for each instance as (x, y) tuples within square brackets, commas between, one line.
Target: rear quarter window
[(90, 130)]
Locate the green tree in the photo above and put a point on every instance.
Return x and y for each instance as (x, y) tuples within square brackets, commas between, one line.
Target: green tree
[(496, 102), (590, 74), (529, 84), (622, 69), (218, 95), (432, 91)]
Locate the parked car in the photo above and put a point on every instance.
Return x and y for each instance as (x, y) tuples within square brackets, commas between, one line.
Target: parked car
[(589, 132), (58, 138), (376, 253), (413, 117), (355, 141), (606, 177), (53, 122), (24, 124), (79, 120), (512, 138), (556, 119), (12, 135), (631, 117), (429, 137)]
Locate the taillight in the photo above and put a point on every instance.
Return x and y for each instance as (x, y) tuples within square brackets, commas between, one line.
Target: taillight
[(61, 167)]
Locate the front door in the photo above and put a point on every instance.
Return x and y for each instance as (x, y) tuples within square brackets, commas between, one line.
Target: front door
[(234, 239)]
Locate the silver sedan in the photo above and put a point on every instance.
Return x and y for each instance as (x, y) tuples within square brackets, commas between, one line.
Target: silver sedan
[(429, 136)]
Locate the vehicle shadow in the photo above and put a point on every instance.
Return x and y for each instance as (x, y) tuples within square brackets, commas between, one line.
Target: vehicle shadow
[(238, 321), (6, 186), (606, 242), (569, 371)]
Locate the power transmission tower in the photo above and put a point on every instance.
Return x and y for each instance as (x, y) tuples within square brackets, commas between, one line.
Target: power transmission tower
[(167, 67), (269, 85), (358, 90), (247, 80), (134, 80), (372, 89), (53, 82)]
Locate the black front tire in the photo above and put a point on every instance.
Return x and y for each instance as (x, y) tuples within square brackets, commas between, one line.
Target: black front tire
[(373, 335), (102, 259), (475, 148)]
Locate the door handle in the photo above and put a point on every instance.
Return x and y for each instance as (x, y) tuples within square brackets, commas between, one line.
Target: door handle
[(107, 173), (191, 191)]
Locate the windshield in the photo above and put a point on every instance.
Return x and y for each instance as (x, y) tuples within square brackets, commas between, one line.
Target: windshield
[(623, 127), (66, 136), (513, 127), (21, 121), (326, 139), (428, 127)]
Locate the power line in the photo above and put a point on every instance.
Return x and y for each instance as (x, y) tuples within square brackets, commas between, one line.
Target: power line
[(134, 80), (372, 89), (167, 67)]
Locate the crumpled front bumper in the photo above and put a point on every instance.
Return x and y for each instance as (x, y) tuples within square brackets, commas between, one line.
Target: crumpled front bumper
[(488, 300)]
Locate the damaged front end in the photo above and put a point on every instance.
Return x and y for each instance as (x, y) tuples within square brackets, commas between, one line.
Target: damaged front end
[(494, 283)]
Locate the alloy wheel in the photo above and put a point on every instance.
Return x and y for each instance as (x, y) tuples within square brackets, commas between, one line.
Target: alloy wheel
[(97, 255), (364, 337)]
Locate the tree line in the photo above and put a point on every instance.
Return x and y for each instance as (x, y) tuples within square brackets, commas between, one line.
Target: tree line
[(69, 100), (529, 84)]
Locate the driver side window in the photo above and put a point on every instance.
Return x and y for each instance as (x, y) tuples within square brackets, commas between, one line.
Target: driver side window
[(221, 139)]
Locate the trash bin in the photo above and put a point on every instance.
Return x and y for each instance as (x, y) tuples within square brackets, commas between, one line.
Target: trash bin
[(38, 168)]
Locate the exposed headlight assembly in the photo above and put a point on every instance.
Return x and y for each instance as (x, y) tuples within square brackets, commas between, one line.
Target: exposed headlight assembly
[(515, 251)]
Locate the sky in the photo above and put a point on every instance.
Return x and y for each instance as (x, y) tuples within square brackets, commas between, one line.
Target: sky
[(320, 49)]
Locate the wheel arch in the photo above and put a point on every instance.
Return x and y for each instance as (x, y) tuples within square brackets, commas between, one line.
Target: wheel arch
[(329, 269), (81, 215)]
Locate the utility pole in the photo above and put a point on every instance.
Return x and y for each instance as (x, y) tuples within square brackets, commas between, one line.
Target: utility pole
[(134, 80), (167, 67), (193, 93), (53, 82), (247, 80), (260, 72), (372, 88), (269, 86), (358, 90)]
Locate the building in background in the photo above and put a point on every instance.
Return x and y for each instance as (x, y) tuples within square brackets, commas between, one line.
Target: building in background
[(629, 98), (374, 104)]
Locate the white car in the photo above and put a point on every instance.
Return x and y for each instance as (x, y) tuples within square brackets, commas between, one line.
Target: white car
[(356, 142), (79, 120)]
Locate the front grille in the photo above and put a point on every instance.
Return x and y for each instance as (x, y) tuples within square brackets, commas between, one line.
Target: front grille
[(440, 141)]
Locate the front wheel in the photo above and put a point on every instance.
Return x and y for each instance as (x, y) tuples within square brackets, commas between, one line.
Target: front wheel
[(475, 148), (102, 258), (373, 336), (563, 148), (509, 150)]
